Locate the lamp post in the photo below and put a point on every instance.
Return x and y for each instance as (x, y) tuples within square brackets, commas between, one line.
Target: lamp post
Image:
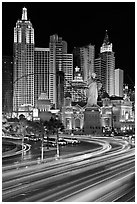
[(23, 127), (58, 125), (44, 116), (58, 144), (112, 122), (42, 147), (23, 146)]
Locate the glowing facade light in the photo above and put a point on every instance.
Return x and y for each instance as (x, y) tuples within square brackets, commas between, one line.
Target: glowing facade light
[(23, 62), (24, 14)]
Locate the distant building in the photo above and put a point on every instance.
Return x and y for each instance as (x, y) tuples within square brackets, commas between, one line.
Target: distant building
[(41, 69), (108, 68), (7, 84), (67, 114), (43, 108), (73, 114), (43, 102), (117, 113), (76, 57), (129, 91), (67, 68), (59, 60), (60, 89), (23, 76), (92, 121), (119, 77), (100, 66), (84, 58), (26, 110), (77, 87)]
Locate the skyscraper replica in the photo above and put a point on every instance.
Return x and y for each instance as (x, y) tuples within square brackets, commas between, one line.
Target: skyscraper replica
[(59, 63), (78, 87), (84, 58), (119, 82), (68, 70), (87, 60), (23, 79), (41, 70), (100, 65), (107, 66)]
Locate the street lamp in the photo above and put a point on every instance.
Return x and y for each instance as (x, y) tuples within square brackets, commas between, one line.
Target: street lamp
[(44, 116), (57, 141), (23, 128), (112, 122), (58, 125)]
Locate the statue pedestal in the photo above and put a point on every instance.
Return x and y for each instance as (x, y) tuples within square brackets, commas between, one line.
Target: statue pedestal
[(92, 121)]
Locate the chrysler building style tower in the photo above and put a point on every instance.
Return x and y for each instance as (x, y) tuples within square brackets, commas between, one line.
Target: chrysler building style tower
[(108, 67), (23, 79)]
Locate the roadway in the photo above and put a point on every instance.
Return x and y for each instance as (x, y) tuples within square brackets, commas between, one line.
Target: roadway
[(106, 175), (34, 153)]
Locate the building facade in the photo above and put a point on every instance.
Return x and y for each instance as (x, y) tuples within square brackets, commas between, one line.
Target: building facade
[(41, 70), (59, 61), (84, 58), (23, 75), (60, 77), (67, 68), (92, 121), (57, 47), (77, 87), (7, 84), (117, 114), (87, 56), (100, 65), (119, 77), (108, 67), (73, 114)]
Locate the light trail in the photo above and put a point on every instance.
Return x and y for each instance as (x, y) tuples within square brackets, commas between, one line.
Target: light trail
[(95, 170), (128, 191), (14, 174), (56, 177), (90, 194)]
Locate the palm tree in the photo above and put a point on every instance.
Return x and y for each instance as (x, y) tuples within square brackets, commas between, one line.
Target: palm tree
[(22, 125), (55, 125), (49, 128)]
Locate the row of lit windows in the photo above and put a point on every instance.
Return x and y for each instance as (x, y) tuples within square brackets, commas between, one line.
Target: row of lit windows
[(95, 128)]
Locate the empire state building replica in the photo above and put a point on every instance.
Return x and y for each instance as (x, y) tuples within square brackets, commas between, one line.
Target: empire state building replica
[(23, 76)]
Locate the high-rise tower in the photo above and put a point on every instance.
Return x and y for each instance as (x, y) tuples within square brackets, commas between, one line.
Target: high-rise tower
[(23, 79), (83, 57), (87, 55), (119, 82), (100, 66), (68, 70), (41, 70), (59, 62), (108, 71)]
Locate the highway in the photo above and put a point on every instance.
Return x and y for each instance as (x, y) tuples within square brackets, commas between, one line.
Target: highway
[(34, 154), (106, 175)]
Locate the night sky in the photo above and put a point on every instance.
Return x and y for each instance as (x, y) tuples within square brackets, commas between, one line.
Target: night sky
[(78, 23)]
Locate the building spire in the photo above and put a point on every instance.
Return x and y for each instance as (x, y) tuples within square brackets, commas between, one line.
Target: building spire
[(106, 39), (106, 46), (24, 14)]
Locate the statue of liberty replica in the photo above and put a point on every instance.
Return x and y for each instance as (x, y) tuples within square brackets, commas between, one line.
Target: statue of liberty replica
[(92, 92), (92, 118)]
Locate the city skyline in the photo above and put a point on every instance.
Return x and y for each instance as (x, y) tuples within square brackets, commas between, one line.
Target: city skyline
[(68, 102), (76, 29)]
